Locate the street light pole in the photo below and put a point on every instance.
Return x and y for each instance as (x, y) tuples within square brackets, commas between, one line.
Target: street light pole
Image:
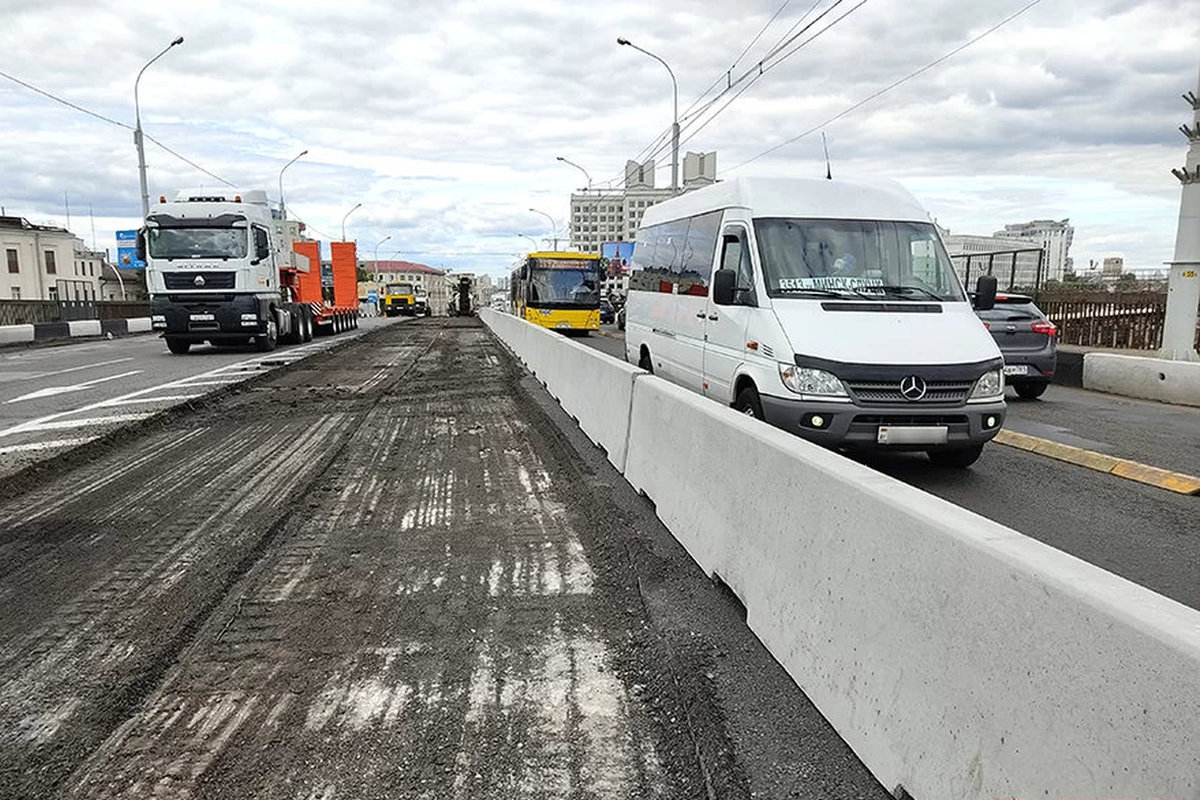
[(675, 118), (348, 213), (282, 208), (576, 166), (553, 226), (381, 241), (532, 241), (137, 131)]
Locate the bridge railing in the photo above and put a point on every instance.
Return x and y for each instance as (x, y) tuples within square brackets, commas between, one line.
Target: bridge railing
[(31, 312)]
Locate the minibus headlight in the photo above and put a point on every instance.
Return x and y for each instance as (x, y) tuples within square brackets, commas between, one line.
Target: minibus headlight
[(804, 380), (990, 385)]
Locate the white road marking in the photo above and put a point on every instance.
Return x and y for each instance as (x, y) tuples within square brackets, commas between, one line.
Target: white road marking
[(51, 391), (51, 373), (32, 446), (66, 424), (128, 401)]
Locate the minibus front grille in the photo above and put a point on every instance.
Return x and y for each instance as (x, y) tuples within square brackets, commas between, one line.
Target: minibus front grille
[(873, 393)]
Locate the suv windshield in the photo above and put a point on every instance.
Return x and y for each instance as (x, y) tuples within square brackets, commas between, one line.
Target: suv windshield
[(856, 258), (197, 242)]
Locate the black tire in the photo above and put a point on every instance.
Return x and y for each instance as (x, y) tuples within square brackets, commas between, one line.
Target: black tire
[(306, 322), (958, 457), (296, 330), (178, 346), (645, 362), (749, 403), (269, 340), (1030, 391)]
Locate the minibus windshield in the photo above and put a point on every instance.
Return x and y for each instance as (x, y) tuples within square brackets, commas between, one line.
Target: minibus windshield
[(856, 259)]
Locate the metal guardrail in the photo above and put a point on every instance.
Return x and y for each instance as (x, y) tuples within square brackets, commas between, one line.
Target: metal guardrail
[(1126, 320), (29, 312)]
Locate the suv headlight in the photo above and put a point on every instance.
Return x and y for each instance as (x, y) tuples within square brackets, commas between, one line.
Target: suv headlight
[(804, 380), (989, 386)]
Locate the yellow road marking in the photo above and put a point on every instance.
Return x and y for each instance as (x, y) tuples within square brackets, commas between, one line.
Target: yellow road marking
[(1121, 467)]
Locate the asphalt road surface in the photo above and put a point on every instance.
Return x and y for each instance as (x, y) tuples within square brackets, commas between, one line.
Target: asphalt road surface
[(55, 398), (1147, 535), (392, 570)]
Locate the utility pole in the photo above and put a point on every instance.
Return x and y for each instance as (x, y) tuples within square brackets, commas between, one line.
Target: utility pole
[(137, 132), (1183, 288)]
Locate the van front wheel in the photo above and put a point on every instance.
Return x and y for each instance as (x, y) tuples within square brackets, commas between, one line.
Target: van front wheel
[(959, 457), (748, 403)]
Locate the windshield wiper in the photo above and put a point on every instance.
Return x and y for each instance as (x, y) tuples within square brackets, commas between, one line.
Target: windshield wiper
[(821, 292), (897, 291)]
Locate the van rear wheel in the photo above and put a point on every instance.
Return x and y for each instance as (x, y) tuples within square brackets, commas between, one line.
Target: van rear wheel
[(645, 362), (748, 403)]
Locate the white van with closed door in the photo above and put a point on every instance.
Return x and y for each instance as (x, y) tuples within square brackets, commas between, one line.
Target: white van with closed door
[(828, 308)]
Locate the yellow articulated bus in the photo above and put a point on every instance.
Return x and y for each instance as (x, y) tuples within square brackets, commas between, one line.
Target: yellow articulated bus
[(399, 298), (558, 290)]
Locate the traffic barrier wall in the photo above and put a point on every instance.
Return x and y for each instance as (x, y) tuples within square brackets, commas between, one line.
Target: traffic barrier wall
[(114, 327), (51, 330), (12, 334), (595, 389), (1139, 376), (958, 658), (138, 325), (84, 327)]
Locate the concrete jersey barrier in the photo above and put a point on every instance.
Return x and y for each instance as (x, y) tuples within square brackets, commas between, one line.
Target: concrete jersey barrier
[(958, 658), (44, 331)]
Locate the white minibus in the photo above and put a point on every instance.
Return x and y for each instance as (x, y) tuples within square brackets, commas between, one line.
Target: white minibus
[(828, 308)]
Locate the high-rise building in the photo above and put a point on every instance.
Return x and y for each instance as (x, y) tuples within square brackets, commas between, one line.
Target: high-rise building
[(1053, 236), (613, 216)]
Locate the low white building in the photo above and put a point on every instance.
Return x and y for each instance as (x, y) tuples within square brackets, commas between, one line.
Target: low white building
[(980, 250), (45, 262)]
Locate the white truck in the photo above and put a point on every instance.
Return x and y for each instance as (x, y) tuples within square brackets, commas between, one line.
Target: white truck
[(218, 269)]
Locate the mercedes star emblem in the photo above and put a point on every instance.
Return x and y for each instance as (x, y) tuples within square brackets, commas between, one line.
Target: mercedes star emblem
[(912, 388)]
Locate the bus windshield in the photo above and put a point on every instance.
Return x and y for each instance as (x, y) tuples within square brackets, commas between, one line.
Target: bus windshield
[(197, 242), (564, 283), (856, 258), (399, 288)]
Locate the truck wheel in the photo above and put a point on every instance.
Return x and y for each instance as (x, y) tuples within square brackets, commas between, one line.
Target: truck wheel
[(306, 324), (958, 457), (296, 328), (748, 403), (178, 346), (267, 342)]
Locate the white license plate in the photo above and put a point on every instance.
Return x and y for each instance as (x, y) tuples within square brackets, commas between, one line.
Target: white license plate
[(1016, 369), (563, 325), (913, 434), (202, 318)]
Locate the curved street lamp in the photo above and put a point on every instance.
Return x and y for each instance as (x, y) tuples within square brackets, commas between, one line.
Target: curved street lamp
[(532, 241), (675, 101), (348, 213), (576, 166), (137, 131), (282, 208), (553, 226)]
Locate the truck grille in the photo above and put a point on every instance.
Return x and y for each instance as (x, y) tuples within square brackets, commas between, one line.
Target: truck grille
[(176, 281), (871, 393)]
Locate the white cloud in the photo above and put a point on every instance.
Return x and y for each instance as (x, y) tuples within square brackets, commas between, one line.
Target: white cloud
[(444, 118)]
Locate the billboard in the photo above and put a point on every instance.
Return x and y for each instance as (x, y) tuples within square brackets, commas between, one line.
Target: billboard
[(127, 251), (617, 256)]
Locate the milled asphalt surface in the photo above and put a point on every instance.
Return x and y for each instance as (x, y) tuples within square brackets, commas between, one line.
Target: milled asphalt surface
[(1147, 535), (393, 570)]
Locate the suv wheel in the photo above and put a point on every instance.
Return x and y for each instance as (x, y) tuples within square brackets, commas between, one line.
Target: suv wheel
[(958, 457), (1030, 391)]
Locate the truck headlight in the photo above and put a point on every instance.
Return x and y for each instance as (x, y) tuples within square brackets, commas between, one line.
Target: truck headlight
[(804, 380), (990, 386)]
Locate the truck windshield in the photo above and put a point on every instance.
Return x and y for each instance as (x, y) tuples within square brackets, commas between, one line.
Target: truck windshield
[(558, 287), (399, 288), (856, 258), (197, 242)]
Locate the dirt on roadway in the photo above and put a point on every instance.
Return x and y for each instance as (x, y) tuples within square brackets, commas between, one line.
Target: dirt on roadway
[(384, 572)]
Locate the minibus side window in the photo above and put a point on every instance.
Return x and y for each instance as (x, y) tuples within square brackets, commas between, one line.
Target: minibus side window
[(736, 256)]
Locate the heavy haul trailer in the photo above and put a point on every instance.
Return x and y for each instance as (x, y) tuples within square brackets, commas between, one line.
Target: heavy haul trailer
[(218, 270)]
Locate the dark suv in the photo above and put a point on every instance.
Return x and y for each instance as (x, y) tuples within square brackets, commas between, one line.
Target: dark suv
[(1027, 340)]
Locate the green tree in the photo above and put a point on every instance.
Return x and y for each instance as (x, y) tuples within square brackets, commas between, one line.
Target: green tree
[(1126, 282)]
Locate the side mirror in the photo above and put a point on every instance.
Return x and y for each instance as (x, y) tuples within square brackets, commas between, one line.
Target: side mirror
[(985, 293), (724, 281), (140, 245)]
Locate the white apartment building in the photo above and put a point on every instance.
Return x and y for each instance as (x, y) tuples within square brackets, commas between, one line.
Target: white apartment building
[(960, 245), (613, 216), (44, 262), (1053, 236)]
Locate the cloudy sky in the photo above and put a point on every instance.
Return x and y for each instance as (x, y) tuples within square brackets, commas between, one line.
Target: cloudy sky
[(444, 118)]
